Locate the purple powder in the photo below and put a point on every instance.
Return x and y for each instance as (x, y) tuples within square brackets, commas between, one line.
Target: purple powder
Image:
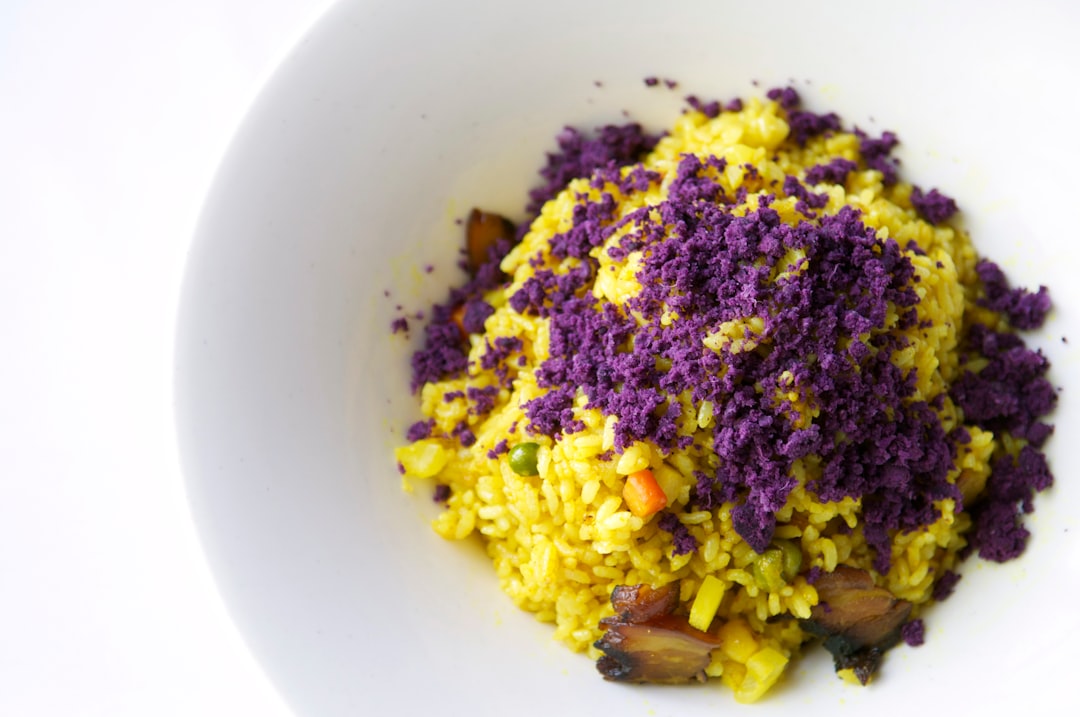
[(709, 109), (999, 533), (501, 447), (934, 206), (1024, 310), (681, 539), (475, 314), (803, 124), (913, 633), (499, 351), (945, 585), (877, 154), (441, 493), (1011, 393), (482, 399), (787, 97), (835, 172), (578, 156), (714, 267), (464, 434), (443, 353), (399, 325), (420, 430), (652, 81)]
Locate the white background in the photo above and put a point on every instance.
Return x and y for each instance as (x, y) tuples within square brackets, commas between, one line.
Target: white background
[(113, 117)]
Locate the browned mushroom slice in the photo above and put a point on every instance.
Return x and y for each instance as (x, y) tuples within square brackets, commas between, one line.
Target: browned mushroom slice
[(640, 603), (858, 619), (645, 642), (482, 231), (663, 650)]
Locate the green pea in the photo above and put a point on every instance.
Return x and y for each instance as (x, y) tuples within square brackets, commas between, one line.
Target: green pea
[(792, 555), (523, 459), (777, 566), (767, 569)]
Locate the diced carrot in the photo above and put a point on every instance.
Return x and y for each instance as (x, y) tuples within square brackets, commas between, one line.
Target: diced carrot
[(643, 495)]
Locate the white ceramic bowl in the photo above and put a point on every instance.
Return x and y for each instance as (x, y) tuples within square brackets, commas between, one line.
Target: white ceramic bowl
[(391, 120)]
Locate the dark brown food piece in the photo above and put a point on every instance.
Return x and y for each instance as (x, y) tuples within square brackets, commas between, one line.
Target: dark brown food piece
[(482, 231), (645, 642), (640, 603), (858, 619)]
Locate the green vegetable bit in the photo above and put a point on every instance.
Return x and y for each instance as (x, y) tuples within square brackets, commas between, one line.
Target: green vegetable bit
[(777, 566), (523, 459)]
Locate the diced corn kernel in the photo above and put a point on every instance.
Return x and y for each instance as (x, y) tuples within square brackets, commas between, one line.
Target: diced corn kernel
[(716, 665), (848, 675), (737, 641), (422, 459), (763, 669), (707, 601)]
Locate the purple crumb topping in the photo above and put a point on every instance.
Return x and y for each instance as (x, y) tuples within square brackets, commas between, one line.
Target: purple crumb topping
[(399, 325), (794, 188), (804, 125), (945, 585), (877, 154), (835, 172), (420, 430), (1011, 393), (681, 539), (913, 633), (464, 434), (501, 447), (441, 493), (713, 267), (709, 109), (476, 313), (999, 533), (1024, 310), (482, 399), (875, 442), (933, 206), (499, 351), (579, 156)]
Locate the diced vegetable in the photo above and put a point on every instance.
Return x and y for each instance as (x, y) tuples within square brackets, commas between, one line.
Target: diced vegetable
[(763, 669), (706, 603), (423, 459), (737, 641), (777, 566), (523, 459), (768, 569), (643, 495)]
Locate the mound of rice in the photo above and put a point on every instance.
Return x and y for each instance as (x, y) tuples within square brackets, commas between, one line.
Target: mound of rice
[(801, 349)]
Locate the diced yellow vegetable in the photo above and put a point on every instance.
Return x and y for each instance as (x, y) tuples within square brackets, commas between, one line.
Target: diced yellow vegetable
[(737, 641), (848, 675), (763, 669), (422, 459), (706, 602)]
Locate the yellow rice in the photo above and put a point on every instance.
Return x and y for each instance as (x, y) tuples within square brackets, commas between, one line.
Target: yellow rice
[(561, 541)]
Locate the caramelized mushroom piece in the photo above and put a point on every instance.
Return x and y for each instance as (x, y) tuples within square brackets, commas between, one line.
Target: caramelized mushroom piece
[(645, 642), (858, 619), (640, 603), (482, 231)]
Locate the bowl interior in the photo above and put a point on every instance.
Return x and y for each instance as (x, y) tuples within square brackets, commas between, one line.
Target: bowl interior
[(386, 125)]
